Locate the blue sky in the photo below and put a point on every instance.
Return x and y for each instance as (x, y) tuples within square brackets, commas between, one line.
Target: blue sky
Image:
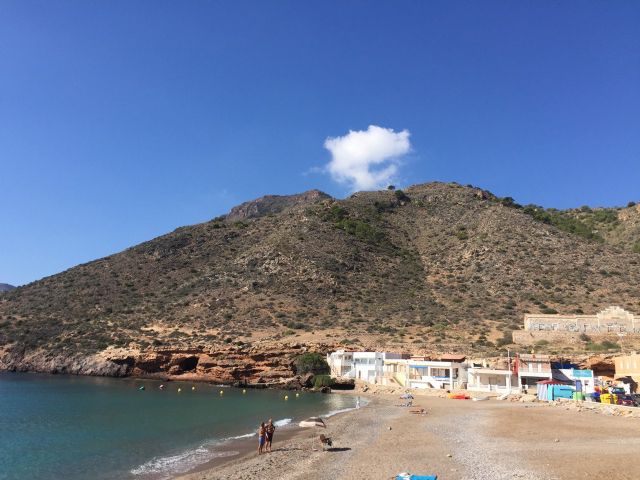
[(122, 120)]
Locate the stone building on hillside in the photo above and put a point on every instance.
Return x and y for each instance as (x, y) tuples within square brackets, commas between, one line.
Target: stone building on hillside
[(628, 366), (612, 321)]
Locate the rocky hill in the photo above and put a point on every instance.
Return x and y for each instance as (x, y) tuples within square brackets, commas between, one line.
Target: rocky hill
[(5, 287), (272, 204), (436, 267), (616, 226)]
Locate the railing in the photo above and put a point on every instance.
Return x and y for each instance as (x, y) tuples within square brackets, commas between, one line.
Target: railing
[(432, 382)]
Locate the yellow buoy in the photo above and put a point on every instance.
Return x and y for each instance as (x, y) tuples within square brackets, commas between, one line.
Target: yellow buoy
[(193, 388), (179, 390), (286, 397), (297, 394), (244, 391), (221, 392)]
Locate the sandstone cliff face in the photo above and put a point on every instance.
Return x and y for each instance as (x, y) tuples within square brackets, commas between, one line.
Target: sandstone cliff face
[(19, 360), (272, 365)]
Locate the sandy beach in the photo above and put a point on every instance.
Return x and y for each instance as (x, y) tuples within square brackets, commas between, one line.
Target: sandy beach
[(457, 440)]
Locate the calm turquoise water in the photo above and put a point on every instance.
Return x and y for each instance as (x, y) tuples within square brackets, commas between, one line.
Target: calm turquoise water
[(54, 427)]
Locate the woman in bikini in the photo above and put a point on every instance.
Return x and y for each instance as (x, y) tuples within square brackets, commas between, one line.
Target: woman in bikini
[(261, 438)]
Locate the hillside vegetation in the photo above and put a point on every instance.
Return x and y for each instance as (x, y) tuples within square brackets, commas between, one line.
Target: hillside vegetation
[(436, 266)]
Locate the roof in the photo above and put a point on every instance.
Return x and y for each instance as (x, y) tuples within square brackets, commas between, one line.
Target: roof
[(491, 371), (453, 358), (534, 357)]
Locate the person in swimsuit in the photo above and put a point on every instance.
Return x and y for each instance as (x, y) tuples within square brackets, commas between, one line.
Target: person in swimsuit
[(261, 438), (270, 428)]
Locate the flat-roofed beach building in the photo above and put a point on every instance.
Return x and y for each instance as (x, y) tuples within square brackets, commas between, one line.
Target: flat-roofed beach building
[(531, 369), (340, 363), (417, 372), (582, 379), (498, 380), (628, 366), (367, 366)]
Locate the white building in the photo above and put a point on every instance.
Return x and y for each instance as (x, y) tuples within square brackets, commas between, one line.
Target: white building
[(340, 363), (482, 379), (582, 379), (367, 366), (420, 373), (531, 370)]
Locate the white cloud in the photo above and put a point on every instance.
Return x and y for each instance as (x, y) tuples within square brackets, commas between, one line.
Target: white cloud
[(367, 159)]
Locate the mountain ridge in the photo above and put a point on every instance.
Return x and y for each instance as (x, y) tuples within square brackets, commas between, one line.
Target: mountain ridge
[(434, 267)]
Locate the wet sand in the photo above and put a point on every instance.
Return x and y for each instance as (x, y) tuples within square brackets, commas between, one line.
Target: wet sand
[(457, 440)]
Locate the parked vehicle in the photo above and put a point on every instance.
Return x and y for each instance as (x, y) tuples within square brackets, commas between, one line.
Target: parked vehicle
[(627, 400)]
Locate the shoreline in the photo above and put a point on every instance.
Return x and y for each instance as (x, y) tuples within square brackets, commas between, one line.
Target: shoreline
[(456, 440), (184, 378), (247, 447)]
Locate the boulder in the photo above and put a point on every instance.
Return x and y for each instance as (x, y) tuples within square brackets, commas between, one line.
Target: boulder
[(307, 380)]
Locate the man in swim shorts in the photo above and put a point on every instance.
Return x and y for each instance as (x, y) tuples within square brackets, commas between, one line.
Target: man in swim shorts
[(270, 428)]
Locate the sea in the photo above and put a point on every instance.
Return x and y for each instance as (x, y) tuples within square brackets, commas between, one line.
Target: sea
[(70, 427)]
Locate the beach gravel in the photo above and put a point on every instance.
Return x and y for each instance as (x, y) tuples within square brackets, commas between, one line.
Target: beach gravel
[(456, 439)]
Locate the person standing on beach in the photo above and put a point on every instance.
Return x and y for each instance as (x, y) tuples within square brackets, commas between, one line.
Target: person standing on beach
[(269, 431), (261, 438)]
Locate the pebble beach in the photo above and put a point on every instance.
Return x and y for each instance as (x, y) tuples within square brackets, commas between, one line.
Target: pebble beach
[(455, 439)]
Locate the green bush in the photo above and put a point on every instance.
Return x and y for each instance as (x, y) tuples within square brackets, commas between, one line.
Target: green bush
[(608, 345), (311, 363), (401, 196), (320, 381), (508, 202), (360, 228), (605, 345), (462, 234), (563, 221), (506, 339)]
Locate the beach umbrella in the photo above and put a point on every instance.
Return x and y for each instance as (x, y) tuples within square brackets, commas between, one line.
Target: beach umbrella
[(312, 422)]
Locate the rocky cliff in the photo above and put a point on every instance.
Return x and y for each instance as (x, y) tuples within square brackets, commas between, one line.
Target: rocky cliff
[(265, 364), (272, 204)]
